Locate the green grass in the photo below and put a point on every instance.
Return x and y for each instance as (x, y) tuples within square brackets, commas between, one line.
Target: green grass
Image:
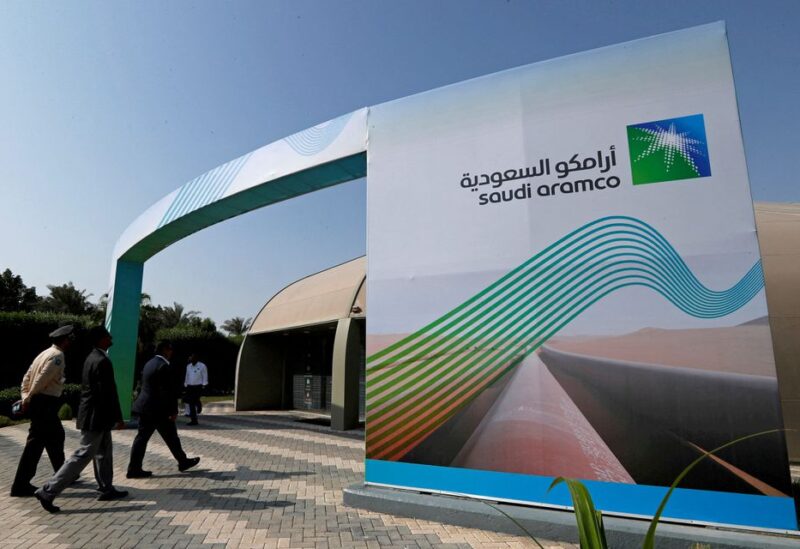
[(7, 421), (219, 398)]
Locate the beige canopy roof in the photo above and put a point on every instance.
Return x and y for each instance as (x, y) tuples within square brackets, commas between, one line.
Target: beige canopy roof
[(779, 236), (338, 292)]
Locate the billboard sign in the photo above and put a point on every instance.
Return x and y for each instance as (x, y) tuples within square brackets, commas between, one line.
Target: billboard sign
[(565, 280)]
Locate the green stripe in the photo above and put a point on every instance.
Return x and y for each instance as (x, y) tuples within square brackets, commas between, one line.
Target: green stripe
[(439, 347)]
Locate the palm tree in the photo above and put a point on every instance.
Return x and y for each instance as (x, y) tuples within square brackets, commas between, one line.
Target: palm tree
[(67, 299), (236, 326), (176, 315)]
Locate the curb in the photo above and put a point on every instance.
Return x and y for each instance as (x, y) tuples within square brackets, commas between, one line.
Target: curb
[(551, 524)]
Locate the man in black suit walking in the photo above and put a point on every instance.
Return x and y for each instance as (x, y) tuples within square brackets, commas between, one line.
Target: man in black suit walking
[(99, 413), (157, 408)]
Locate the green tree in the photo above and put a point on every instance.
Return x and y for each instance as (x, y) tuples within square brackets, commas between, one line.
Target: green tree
[(177, 315), (67, 299), (150, 322), (236, 326), (14, 295), (204, 324)]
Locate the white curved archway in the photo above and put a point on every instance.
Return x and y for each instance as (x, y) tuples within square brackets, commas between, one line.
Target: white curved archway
[(327, 154)]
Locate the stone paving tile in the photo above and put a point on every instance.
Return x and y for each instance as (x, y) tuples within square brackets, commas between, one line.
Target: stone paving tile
[(265, 481)]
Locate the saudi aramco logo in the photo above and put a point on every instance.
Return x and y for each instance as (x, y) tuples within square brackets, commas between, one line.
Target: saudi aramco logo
[(668, 150)]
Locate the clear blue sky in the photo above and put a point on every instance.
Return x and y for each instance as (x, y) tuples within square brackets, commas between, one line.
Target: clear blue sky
[(105, 107)]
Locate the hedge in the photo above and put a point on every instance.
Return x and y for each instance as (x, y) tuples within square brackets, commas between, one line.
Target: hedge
[(70, 396), (216, 351), (25, 335)]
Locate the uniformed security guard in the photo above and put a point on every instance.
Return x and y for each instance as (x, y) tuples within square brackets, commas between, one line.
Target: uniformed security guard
[(41, 398)]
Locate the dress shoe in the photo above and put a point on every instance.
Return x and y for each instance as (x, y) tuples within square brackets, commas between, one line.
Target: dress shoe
[(112, 494), (188, 464), (47, 505), (139, 474), (23, 492)]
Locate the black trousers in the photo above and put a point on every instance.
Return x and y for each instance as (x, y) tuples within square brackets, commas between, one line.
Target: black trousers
[(192, 398), (45, 433), (147, 426)]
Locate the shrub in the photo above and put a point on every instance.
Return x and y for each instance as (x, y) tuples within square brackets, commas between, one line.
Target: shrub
[(7, 421), (72, 395), (65, 412), (7, 398)]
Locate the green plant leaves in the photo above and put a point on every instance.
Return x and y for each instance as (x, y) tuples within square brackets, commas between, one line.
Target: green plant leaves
[(650, 538), (591, 531)]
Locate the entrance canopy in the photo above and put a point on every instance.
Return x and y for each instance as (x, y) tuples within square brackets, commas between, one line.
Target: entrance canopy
[(335, 293)]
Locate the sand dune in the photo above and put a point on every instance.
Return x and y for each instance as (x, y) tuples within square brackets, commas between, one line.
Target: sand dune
[(745, 349)]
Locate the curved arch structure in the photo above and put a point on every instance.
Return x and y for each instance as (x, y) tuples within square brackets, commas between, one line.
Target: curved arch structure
[(322, 156)]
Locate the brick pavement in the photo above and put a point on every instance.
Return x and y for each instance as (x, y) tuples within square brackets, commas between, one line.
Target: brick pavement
[(265, 480)]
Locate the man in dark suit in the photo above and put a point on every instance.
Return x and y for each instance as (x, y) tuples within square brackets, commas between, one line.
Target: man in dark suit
[(99, 413), (157, 408)]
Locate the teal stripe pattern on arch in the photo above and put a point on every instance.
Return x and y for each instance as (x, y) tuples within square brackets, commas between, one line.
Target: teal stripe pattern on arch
[(418, 383), (315, 140), (204, 190)]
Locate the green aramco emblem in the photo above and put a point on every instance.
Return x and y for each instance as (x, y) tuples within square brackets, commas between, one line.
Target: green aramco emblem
[(668, 150)]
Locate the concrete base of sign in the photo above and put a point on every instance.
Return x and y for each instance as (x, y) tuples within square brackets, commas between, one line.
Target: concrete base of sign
[(550, 524)]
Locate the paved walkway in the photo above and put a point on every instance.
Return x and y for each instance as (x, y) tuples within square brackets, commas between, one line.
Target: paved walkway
[(265, 480)]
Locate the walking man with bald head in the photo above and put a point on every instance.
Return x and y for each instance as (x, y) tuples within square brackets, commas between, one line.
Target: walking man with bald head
[(157, 408)]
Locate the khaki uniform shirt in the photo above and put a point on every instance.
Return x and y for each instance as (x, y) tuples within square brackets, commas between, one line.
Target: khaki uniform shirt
[(45, 375)]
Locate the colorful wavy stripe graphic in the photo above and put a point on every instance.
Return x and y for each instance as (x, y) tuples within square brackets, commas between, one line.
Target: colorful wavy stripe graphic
[(316, 139), (204, 190), (418, 383)]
